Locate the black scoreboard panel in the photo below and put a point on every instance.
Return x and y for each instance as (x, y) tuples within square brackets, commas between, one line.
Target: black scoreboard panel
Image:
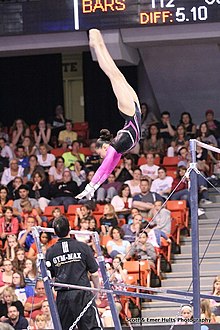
[(134, 13), (44, 16)]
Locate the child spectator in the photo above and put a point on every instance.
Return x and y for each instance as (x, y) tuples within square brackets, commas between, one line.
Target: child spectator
[(29, 211), (30, 273), (109, 219), (6, 276), (12, 245), (8, 224), (21, 290), (19, 259), (25, 237), (56, 213)]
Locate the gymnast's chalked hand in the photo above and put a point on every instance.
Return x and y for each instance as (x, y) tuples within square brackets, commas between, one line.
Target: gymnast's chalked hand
[(88, 192)]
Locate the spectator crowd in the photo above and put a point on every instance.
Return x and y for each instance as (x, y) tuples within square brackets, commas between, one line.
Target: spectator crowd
[(45, 166)]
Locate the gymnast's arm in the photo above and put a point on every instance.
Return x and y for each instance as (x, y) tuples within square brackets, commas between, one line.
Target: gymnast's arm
[(109, 163)]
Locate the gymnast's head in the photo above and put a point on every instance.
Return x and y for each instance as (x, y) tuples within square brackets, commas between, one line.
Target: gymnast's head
[(103, 142), (61, 226)]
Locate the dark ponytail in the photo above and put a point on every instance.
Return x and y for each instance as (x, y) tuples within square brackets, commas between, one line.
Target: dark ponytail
[(105, 137)]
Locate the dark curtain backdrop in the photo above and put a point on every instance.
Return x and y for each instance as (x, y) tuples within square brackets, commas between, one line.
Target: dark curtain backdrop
[(101, 109), (30, 87)]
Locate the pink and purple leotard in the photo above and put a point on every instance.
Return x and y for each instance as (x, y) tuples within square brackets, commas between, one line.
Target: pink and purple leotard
[(125, 140)]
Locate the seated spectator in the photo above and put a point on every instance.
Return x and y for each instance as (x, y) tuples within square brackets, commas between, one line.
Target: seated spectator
[(134, 184), (29, 147), (45, 159), (40, 189), (167, 131), (21, 290), (56, 213), (33, 166), (9, 298), (22, 158), (8, 224), (24, 196), (6, 276), (42, 133), (29, 211), (161, 218), (215, 292), (67, 136), (45, 241), (180, 190), (4, 198), (118, 246), (45, 310), (70, 157), (15, 318), (93, 225), (180, 140), (154, 143), (147, 119), (19, 260), (184, 157), (83, 213), (144, 201), (109, 219), (30, 273), (150, 169), (56, 171), (58, 121), (119, 275), (13, 187), (143, 250), (134, 211), (94, 160), (25, 237), (12, 245), (6, 152), (33, 305), (162, 185), (63, 193), (123, 201), (132, 230), (108, 190), (40, 322), (79, 174), (19, 130), (10, 173), (204, 135), (206, 314), (190, 127), (85, 238), (125, 171), (213, 124), (186, 315)]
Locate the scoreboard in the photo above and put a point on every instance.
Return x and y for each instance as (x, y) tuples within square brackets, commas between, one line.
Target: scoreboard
[(44, 16), (134, 13)]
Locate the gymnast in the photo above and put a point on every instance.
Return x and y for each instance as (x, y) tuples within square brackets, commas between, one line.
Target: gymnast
[(110, 149)]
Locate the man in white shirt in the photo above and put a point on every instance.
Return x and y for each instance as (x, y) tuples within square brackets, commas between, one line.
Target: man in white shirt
[(150, 169), (162, 185)]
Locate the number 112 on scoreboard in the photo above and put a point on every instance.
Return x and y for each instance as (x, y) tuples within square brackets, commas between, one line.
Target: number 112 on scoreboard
[(162, 3)]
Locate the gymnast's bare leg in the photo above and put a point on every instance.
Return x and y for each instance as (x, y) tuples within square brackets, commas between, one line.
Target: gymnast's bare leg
[(124, 93)]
